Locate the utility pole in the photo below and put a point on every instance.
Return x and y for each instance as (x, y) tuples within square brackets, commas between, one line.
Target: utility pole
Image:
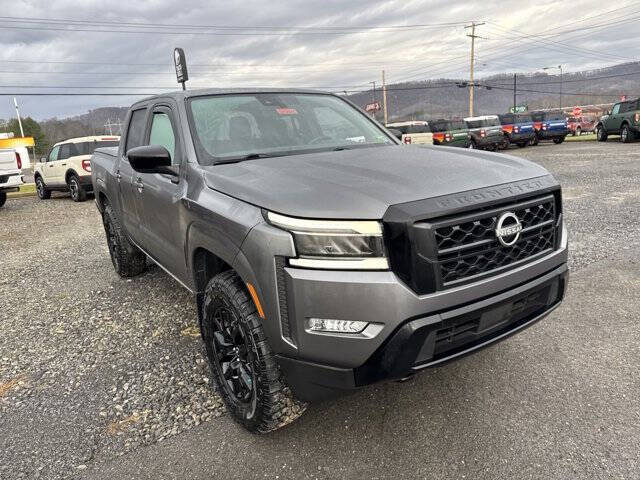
[(15, 102), (108, 125), (384, 99), (514, 93), (373, 96), (473, 37)]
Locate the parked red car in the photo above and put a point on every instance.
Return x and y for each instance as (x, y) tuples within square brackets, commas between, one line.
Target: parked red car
[(579, 125)]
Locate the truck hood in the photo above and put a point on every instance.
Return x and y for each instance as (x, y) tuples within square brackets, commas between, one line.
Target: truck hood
[(363, 183)]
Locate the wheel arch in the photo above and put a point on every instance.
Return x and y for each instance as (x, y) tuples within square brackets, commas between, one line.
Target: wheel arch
[(68, 173)]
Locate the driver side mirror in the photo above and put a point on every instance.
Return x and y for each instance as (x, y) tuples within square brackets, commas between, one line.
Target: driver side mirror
[(43, 159), (396, 133), (152, 159)]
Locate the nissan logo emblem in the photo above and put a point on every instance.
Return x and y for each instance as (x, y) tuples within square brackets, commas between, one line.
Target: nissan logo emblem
[(508, 229)]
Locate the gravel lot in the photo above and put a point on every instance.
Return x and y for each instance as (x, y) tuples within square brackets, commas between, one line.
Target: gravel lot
[(106, 378)]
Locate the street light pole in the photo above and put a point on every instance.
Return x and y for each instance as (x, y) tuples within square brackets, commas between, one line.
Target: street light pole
[(559, 67)]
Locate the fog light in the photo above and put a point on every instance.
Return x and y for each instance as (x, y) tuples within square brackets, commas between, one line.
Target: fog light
[(336, 326)]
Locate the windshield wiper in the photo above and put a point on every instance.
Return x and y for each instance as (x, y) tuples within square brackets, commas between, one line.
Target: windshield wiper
[(242, 158)]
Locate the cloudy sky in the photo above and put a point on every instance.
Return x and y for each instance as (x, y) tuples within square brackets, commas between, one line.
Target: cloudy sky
[(125, 47)]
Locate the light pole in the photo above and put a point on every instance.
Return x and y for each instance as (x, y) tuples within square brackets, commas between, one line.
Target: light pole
[(560, 68)]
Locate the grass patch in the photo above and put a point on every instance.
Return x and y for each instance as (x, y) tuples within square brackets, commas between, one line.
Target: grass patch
[(6, 386), (26, 190), (587, 137)]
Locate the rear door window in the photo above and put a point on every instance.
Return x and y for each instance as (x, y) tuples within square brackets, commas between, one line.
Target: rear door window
[(506, 119), (66, 151), (135, 134), (616, 109), (439, 125), (457, 125), (418, 129)]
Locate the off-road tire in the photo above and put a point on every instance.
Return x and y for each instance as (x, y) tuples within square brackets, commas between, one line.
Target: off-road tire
[(626, 135), (3, 198), (522, 144), (506, 143), (127, 259), (601, 135), (472, 145), (558, 140), (43, 193), (535, 140), (78, 194), (272, 405)]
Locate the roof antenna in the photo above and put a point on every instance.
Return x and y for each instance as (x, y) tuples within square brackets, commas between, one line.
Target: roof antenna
[(180, 62)]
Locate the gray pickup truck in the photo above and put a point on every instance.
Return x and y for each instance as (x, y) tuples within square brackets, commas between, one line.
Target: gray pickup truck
[(323, 254)]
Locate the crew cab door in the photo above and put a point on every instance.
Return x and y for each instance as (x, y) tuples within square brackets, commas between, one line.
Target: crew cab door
[(61, 164), (130, 207), (612, 124), (161, 195), (48, 168)]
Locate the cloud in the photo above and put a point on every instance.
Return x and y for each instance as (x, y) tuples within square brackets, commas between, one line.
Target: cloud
[(348, 61)]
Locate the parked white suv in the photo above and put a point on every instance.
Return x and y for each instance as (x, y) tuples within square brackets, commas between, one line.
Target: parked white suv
[(10, 172), (67, 168)]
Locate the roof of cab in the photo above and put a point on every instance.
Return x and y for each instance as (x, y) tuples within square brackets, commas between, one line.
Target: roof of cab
[(199, 92), (92, 138)]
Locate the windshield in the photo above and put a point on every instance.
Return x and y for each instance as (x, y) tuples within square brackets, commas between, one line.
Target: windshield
[(483, 122), (274, 124)]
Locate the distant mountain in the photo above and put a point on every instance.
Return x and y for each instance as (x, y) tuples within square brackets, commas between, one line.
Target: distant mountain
[(94, 122), (430, 99)]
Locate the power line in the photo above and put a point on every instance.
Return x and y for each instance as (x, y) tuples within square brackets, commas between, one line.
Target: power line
[(224, 27)]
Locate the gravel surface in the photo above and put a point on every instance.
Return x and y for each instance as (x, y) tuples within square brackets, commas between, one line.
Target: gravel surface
[(93, 367)]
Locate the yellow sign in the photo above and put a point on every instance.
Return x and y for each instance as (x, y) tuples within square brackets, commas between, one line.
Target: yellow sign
[(16, 142)]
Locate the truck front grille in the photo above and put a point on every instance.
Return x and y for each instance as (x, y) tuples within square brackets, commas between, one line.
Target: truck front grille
[(467, 246)]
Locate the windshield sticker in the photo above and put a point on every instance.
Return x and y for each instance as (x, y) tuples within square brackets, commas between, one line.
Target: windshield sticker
[(286, 111), (360, 139)]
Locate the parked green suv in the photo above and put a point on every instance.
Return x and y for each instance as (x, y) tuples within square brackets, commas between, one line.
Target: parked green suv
[(623, 120), (450, 133)]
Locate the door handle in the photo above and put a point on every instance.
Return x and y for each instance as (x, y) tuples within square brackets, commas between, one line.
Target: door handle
[(64, 164)]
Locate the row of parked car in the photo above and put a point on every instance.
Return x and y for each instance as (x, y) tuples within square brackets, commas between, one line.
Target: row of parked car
[(492, 132), (488, 132)]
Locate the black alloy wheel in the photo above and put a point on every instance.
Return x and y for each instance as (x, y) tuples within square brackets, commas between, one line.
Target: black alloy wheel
[(234, 355)]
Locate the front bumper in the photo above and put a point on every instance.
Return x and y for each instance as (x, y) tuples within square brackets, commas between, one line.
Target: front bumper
[(434, 339)]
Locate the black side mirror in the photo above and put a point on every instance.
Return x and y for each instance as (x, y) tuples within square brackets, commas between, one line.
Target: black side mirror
[(152, 159), (396, 133)]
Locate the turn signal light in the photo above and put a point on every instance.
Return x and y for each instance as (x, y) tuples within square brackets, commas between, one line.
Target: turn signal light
[(86, 165)]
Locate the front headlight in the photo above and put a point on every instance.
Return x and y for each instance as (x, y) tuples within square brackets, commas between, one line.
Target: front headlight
[(335, 244)]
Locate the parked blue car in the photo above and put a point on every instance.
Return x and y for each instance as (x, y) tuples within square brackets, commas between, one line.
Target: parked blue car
[(550, 126), (518, 129)]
